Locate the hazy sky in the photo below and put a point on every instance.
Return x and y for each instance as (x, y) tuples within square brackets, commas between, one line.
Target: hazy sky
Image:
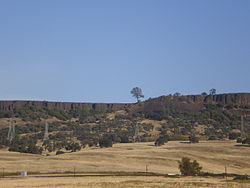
[(97, 51)]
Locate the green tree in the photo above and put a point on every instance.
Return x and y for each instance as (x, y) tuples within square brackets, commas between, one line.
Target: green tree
[(162, 139), (106, 141), (177, 94), (137, 93), (189, 168), (212, 91)]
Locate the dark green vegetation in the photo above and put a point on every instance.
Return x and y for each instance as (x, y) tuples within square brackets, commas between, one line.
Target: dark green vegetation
[(184, 118), (137, 93), (189, 168), (162, 139)]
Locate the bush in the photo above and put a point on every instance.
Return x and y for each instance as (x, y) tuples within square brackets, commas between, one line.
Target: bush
[(189, 168), (60, 152), (233, 136), (161, 140), (178, 137), (241, 177), (59, 114), (4, 114), (212, 137), (73, 146), (246, 141), (193, 139), (105, 142), (34, 149), (124, 139), (25, 145), (239, 140)]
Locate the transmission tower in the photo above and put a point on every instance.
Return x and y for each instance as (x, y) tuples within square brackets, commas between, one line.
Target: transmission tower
[(46, 132), (136, 134), (11, 133), (242, 131)]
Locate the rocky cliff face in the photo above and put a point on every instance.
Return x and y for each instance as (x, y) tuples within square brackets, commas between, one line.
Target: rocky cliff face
[(191, 103), (64, 106)]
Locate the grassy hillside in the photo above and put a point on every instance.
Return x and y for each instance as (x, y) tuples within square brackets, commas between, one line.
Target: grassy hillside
[(133, 157), (206, 117)]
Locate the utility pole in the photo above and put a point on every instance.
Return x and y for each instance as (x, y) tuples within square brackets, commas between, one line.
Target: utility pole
[(146, 169), (226, 172), (74, 171)]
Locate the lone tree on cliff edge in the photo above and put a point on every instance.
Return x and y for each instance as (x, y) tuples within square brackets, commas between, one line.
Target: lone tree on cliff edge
[(212, 91), (137, 93)]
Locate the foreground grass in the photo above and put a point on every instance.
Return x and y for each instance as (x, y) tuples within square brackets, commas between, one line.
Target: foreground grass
[(129, 160), (119, 182)]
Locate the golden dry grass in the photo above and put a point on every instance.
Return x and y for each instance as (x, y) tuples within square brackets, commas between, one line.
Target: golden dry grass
[(118, 182), (133, 157)]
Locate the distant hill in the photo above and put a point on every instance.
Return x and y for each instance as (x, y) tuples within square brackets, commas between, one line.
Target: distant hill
[(205, 116)]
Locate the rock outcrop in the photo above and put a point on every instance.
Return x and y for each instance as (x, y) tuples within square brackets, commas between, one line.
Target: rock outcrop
[(191, 103), (10, 106)]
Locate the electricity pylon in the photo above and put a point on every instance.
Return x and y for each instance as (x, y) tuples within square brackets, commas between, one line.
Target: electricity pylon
[(242, 131), (11, 133), (136, 134), (46, 132)]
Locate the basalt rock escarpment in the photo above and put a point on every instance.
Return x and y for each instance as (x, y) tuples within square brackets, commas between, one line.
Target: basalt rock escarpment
[(11, 106), (191, 103)]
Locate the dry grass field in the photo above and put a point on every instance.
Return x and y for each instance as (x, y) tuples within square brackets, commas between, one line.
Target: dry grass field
[(131, 157), (119, 182)]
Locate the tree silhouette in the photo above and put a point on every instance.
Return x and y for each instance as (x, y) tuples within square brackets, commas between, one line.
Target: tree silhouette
[(212, 91), (137, 93), (189, 168)]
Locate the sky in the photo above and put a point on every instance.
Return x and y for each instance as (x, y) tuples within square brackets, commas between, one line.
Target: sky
[(97, 51)]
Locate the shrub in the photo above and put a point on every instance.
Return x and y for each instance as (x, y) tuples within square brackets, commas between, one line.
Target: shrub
[(189, 168), (193, 139), (105, 142), (4, 114), (178, 137), (161, 140), (233, 136), (212, 137), (246, 141), (59, 152), (124, 139), (73, 146), (241, 177), (239, 140)]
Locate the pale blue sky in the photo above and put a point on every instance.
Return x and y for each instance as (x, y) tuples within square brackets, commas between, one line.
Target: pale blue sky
[(97, 51)]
